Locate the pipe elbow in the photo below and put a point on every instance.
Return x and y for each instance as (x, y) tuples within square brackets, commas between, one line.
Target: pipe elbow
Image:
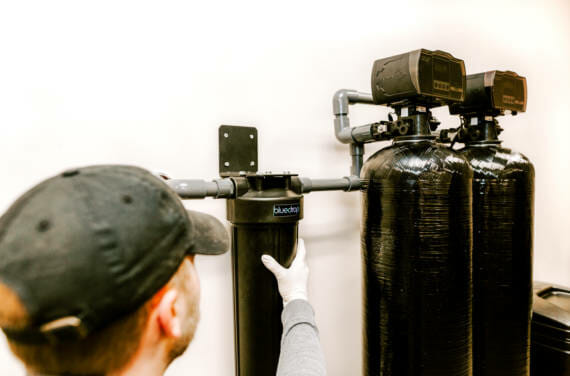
[(342, 129), (341, 101)]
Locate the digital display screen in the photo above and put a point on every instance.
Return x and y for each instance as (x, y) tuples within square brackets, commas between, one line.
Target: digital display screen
[(508, 92), (508, 87), (440, 70)]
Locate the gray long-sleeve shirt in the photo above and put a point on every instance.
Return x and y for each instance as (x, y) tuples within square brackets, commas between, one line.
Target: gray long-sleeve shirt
[(301, 352)]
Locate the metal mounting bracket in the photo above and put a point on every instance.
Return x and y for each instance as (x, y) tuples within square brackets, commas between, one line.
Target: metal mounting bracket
[(237, 150)]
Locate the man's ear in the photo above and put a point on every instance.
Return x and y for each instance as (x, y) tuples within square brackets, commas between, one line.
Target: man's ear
[(168, 318)]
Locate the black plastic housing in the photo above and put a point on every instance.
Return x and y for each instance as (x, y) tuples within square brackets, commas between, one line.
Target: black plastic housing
[(428, 78), (264, 219), (416, 251), (492, 93), (550, 330)]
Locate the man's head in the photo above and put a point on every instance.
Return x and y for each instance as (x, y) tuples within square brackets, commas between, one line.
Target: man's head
[(97, 268)]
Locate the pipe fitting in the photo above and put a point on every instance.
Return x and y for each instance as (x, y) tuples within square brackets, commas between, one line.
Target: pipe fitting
[(342, 99), (356, 136)]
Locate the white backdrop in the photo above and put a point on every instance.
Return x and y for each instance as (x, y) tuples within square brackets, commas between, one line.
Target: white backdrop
[(148, 83)]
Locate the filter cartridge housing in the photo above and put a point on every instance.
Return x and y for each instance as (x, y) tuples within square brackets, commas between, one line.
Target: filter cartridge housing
[(264, 218)]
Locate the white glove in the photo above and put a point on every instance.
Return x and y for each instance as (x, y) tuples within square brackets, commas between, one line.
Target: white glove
[(292, 282)]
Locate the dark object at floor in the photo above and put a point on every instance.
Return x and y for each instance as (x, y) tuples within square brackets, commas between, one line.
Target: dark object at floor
[(550, 348)]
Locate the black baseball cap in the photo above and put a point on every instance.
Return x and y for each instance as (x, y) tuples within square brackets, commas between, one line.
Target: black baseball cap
[(92, 244)]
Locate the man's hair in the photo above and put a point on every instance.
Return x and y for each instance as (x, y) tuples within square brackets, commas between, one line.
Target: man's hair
[(103, 351)]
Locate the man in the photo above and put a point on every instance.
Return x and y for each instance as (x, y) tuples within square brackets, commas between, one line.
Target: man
[(97, 277)]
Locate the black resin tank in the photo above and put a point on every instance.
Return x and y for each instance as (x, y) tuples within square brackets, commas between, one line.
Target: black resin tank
[(416, 246), (503, 188)]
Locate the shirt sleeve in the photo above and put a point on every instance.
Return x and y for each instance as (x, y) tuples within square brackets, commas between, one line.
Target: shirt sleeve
[(301, 352)]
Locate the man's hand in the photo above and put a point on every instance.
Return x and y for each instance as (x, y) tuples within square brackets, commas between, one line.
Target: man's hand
[(292, 282)]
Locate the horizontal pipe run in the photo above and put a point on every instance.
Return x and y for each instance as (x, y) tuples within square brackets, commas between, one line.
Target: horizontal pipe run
[(347, 184), (224, 188), (195, 188)]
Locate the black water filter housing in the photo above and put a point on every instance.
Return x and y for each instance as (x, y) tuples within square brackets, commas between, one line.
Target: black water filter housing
[(264, 217), (503, 190)]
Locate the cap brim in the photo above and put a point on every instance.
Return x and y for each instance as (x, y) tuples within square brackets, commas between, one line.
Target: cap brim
[(209, 236)]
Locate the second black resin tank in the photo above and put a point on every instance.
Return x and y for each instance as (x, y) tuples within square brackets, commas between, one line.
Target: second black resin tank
[(503, 189), (502, 259)]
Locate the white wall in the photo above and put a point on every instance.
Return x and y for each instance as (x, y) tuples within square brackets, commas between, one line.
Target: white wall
[(149, 82)]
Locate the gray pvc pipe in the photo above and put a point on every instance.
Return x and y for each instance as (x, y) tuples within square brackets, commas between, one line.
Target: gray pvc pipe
[(347, 184), (195, 188), (342, 99), (357, 156), (224, 188), (356, 136)]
